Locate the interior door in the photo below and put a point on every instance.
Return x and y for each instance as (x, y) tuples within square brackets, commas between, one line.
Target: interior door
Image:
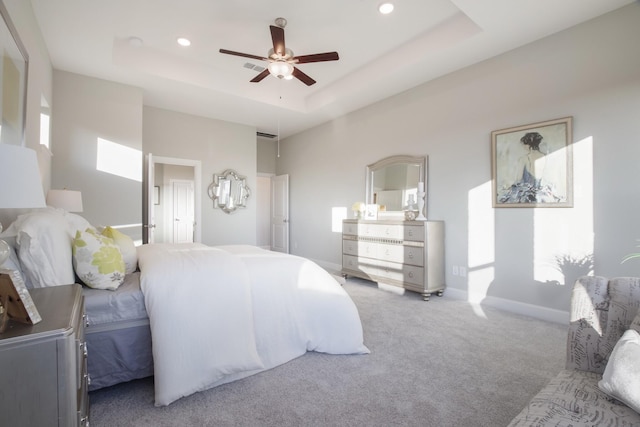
[(183, 211), (280, 213), (148, 228)]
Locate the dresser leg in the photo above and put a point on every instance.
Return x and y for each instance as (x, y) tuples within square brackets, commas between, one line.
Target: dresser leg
[(426, 295)]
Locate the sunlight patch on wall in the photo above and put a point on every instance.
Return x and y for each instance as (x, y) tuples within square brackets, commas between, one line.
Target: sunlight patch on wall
[(563, 237), (120, 160), (337, 215), (481, 256)]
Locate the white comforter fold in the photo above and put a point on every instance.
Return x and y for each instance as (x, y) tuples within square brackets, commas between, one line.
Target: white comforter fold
[(222, 313)]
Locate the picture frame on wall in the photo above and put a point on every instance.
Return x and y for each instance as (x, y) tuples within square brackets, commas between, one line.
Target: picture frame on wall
[(14, 62), (532, 165)]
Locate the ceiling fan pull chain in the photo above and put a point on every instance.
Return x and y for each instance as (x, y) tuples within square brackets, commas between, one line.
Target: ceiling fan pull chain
[(279, 102)]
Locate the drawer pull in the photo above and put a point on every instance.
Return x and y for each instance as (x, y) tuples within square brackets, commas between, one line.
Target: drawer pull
[(85, 318), (410, 274)]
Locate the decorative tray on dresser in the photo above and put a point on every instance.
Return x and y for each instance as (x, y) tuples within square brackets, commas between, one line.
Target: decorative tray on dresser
[(408, 254), (43, 367)]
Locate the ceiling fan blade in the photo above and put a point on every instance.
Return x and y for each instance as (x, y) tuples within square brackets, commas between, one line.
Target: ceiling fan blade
[(302, 77), (318, 57), (260, 76), (277, 36), (244, 55)]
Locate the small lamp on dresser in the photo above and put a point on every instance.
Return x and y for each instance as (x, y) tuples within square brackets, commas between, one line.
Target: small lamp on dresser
[(69, 200), (20, 184)]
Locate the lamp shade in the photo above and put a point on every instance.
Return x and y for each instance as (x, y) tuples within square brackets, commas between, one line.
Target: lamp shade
[(20, 182), (69, 200)]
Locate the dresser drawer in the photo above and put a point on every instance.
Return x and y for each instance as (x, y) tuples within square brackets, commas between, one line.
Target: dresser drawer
[(361, 248), (401, 273), (412, 255), (392, 231), (364, 266), (380, 270)]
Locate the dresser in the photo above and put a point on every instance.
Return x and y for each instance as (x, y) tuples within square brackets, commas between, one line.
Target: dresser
[(43, 367), (409, 254)]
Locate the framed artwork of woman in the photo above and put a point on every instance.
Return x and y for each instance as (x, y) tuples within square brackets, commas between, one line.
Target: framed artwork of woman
[(532, 165)]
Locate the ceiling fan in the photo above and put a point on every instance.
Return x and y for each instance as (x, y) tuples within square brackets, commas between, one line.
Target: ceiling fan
[(282, 61)]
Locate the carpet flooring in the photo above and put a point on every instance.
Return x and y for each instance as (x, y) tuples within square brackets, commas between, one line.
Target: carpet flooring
[(436, 363)]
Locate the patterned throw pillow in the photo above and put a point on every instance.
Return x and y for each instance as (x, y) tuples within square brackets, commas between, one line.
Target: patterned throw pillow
[(127, 248), (97, 260)]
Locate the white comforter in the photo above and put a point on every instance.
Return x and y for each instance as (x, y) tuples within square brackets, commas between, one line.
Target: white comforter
[(223, 313)]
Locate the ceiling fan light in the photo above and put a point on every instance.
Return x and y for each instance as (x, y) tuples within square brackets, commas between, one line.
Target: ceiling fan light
[(280, 69)]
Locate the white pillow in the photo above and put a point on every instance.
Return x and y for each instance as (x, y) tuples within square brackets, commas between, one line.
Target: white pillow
[(621, 378), (127, 248), (97, 260), (76, 222), (44, 248)]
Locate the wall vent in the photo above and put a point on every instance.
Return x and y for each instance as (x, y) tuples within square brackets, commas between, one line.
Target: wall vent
[(255, 67), (265, 135)]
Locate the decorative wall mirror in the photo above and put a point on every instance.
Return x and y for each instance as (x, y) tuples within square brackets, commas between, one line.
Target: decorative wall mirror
[(229, 191), (393, 181), (13, 82)]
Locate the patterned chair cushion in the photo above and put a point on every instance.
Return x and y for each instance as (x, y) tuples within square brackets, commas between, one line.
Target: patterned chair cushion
[(601, 311), (573, 398)]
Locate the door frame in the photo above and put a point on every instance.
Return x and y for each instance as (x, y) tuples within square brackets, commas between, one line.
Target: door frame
[(197, 187)]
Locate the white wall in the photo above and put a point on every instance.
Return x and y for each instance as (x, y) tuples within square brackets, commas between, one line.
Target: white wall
[(219, 146), (589, 72), (87, 110)]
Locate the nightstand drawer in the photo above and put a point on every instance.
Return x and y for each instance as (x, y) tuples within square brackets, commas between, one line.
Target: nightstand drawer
[(45, 363)]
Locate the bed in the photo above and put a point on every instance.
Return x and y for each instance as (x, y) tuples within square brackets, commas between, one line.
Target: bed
[(194, 316)]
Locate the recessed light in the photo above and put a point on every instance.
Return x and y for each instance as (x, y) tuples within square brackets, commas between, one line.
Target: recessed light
[(385, 8), (184, 42)]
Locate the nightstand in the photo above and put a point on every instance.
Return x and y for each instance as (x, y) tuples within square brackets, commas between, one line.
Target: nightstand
[(43, 367)]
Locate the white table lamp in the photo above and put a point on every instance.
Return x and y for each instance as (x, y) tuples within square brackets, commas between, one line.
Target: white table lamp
[(69, 200), (20, 183)]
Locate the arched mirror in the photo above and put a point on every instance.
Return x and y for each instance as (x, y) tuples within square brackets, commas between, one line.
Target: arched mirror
[(229, 191), (393, 181)]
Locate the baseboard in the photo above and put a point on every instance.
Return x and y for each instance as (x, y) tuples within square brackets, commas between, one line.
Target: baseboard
[(539, 312), (536, 311)]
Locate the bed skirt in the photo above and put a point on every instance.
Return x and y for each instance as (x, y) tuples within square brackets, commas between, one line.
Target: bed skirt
[(118, 352)]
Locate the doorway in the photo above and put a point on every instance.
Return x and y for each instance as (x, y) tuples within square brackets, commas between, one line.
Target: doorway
[(272, 214), (174, 200)]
